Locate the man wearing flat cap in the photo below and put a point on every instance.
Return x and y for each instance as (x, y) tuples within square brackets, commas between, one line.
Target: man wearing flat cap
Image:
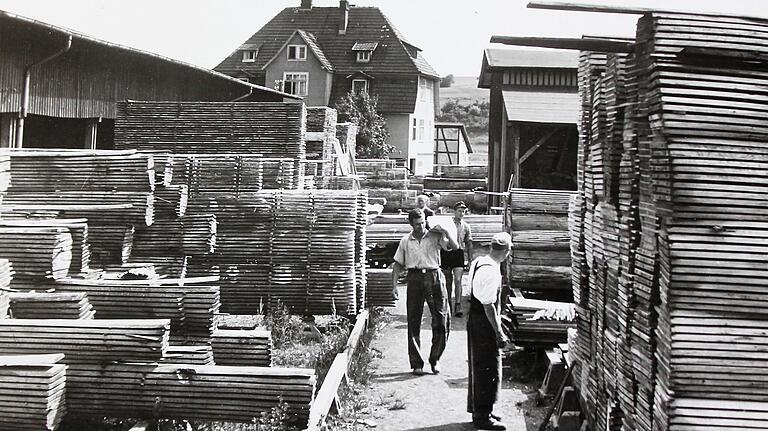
[(419, 253), (453, 262), (485, 334)]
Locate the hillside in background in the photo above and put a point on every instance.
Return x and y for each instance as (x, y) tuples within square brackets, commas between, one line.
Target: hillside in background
[(464, 103)]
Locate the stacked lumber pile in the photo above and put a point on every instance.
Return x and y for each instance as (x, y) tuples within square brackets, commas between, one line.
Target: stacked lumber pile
[(231, 172), (183, 236), (193, 392), (239, 347), (540, 324), (32, 393), (271, 129), (477, 202), (188, 354), (6, 274), (50, 306), (382, 174), (5, 171), (669, 232), (390, 228), (78, 229), (191, 307), (321, 138), (361, 249), (86, 341), (36, 254), (378, 289), (538, 223), (456, 177), (346, 133), (171, 200)]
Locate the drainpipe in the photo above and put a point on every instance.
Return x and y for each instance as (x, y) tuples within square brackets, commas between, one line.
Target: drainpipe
[(25, 90)]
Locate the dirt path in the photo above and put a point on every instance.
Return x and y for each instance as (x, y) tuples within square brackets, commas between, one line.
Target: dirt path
[(429, 402)]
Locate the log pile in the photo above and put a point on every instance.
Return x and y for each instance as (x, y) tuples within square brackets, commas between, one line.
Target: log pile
[(93, 341), (51, 306), (537, 220), (378, 287), (191, 307), (193, 392), (252, 348), (668, 228), (32, 392)]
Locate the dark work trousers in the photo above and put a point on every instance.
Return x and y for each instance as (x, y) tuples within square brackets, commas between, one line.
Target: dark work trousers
[(484, 362), (430, 287)]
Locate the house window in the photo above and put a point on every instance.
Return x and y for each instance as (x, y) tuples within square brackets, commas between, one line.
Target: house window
[(359, 86), (421, 130), (426, 89), (249, 56), (413, 138), (297, 52), (363, 56), (296, 83)]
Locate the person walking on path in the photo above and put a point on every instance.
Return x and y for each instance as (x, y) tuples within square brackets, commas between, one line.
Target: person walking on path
[(453, 262), (422, 203), (419, 253), (484, 334)]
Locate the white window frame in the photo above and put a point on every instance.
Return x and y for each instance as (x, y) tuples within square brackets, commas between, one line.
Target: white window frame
[(299, 50), (365, 85), (293, 75), (421, 130), (364, 56), (249, 55), (413, 135)]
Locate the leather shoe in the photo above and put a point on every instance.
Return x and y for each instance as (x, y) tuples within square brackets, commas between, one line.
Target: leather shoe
[(488, 424), (418, 372), (435, 368)]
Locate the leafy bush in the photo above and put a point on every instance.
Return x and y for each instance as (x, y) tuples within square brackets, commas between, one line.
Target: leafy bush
[(474, 115), (446, 81), (372, 133)]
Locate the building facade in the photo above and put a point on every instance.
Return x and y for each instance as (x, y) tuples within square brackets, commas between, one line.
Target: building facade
[(323, 53)]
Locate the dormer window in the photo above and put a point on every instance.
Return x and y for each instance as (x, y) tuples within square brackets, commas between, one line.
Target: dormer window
[(359, 86), (249, 56), (297, 52), (363, 56)]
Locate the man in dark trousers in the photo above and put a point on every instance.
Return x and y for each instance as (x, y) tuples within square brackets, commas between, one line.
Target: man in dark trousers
[(485, 334), (419, 253)]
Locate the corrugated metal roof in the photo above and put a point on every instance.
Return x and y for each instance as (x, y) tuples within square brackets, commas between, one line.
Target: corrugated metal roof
[(548, 58), (541, 106), (364, 46)]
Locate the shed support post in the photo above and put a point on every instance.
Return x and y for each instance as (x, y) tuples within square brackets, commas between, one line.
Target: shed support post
[(91, 130), (514, 143), (7, 130)]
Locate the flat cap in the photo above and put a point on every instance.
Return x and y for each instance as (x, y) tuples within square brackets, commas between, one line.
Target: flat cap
[(501, 240), (460, 204)]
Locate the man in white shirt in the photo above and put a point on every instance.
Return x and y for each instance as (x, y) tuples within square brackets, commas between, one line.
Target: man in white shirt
[(485, 334)]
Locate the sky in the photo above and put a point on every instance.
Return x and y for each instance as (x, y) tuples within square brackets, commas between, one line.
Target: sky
[(451, 33)]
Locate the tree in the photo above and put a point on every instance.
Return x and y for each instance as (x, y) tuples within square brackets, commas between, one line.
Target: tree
[(372, 133), (446, 81)]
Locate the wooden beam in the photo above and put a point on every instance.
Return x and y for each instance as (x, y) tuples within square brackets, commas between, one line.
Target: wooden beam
[(694, 52), (581, 44), (625, 10), (514, 178), (7, 129), (537, 145), (91, 128)]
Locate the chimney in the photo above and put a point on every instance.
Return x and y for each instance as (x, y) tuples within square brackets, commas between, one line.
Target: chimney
[(343, 16), (306, 4)]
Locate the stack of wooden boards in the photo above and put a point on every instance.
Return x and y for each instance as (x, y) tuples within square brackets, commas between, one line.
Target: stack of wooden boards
[(537, 220), (378, 287), (239, 347), (321, 138), (387, 228), (456, 178), (32, 392), (271, 129), (5, 284), (537, 323), (387, 183), (51, 305), (669, 227)]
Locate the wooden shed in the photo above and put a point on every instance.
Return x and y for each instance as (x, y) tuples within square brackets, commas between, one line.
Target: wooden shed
[(532, 126), (59, 87)]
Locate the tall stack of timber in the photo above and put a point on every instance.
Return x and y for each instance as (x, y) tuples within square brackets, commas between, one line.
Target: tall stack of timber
[(32, 392), (37, 255), (6, 273), (191, 304), (113, 190), (379, 291), (538, 222), (239, 347), (458, 183), (361, 248), (669, 227), (94, 341), (50, 305), (270, 129), (321, 138), (387, 182), (192, 392)]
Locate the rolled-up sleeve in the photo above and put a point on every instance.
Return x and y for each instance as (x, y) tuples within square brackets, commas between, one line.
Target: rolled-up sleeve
[(400, 253), (486, 283)]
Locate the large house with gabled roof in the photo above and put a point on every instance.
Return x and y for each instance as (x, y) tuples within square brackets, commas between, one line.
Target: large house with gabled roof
[(322, 53)]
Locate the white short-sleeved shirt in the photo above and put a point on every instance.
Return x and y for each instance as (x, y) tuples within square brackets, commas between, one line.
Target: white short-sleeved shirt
[(424, 253), (485, 281)]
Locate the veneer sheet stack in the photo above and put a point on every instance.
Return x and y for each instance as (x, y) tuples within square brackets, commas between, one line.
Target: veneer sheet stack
[(32, 393), (673, 227), (251, 348)]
